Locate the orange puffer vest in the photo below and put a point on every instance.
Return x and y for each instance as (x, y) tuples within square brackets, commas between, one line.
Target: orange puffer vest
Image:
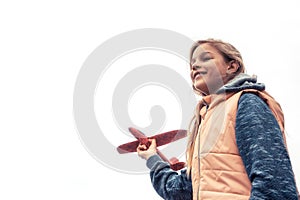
[(218, 171)]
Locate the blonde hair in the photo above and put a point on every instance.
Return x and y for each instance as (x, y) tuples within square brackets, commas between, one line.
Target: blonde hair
[(229, 53)]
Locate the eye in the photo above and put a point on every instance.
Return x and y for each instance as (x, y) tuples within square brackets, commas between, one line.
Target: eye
[(206, 58)]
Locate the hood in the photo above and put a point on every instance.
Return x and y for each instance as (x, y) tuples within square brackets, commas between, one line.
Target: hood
[(241, 82)]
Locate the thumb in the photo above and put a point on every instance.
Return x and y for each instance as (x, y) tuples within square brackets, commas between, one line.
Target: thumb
[(153, 144)]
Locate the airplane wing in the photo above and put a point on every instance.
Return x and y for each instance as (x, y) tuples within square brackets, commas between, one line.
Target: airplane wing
[(128, 147), (161, 139)]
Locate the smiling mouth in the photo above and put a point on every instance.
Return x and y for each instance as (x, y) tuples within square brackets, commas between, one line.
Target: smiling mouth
[(198, 74)]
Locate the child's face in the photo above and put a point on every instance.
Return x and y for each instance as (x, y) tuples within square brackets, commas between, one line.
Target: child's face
[(208, 69)]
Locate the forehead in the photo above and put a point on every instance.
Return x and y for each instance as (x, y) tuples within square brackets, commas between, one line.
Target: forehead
[(204, 48)]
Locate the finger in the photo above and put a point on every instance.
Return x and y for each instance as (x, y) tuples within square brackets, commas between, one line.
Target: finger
[(141, 147)]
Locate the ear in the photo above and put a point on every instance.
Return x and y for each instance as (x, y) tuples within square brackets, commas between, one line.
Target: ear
[(233, 67)]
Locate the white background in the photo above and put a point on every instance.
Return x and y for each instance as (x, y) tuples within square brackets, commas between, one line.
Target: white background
[(43, 46)]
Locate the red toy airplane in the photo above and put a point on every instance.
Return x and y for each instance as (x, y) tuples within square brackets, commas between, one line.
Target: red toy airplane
[(161, 139)]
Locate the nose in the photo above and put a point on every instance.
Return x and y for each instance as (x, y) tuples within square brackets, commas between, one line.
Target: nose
[(195, 66)]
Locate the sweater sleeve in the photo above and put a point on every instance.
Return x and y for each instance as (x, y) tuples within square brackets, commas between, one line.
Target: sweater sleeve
[(168, 183), (261, 146)]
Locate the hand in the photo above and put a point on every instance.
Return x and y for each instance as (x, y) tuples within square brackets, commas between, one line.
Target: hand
[(145, 153)]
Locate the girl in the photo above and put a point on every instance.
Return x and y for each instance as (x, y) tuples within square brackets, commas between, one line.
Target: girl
[(236, 147)]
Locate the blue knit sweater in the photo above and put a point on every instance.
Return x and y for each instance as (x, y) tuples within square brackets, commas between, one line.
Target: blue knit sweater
[(261, 147)]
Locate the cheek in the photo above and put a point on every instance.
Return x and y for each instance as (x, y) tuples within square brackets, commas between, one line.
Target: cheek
[(218, 72)]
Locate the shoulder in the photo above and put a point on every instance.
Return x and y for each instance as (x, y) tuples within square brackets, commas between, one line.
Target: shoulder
[(253, 110), (249, 96), (251, 102)]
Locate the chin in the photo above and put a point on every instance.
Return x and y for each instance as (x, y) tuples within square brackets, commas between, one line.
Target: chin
[(201, 88)]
